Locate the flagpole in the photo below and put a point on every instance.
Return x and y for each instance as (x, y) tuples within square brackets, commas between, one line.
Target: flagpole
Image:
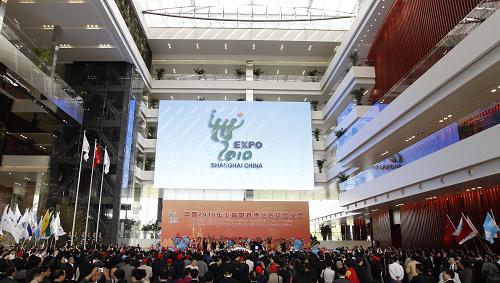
[(100, 198), (90, 194), (76, 197)]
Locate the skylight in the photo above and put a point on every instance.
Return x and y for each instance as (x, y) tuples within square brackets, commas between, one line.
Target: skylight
[(249, 14)]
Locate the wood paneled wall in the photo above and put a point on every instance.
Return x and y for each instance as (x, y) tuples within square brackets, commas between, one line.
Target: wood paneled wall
[(381, 225)]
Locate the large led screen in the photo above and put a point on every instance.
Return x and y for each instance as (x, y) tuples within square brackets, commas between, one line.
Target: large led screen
[(234, 145)]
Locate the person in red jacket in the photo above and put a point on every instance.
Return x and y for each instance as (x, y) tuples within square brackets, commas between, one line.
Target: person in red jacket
[(351, 272)]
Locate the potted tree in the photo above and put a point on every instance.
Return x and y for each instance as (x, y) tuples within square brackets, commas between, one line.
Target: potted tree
[(240, 99), (325, 230), (312, 74), (358, 94), (150, 164), (201, 98), (239, 73), (139, 161), (339, 133), (316, 133), (259, 98), (199, 72), (42, 55), (314, 105), (320, 163), (354, 58), (257, 72), (159, 73), (154, 103), (342, 177)]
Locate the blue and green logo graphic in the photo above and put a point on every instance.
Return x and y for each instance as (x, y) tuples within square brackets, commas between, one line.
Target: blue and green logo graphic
[(222, 132)]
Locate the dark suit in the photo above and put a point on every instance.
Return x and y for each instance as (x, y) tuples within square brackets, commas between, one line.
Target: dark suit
[(228, 280), (422, 278), (341, 280), (8, 280)]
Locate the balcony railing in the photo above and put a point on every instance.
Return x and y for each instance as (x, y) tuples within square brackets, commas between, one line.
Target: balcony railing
[(230, 77), (470, 125), (479, 14), (59, 92)]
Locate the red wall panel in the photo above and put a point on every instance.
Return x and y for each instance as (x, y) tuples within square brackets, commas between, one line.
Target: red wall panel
[(381, 225), (422, 223), (409, 32)]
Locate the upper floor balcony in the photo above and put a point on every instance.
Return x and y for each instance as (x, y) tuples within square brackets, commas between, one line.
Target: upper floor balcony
[(464, 128), (234, 77)]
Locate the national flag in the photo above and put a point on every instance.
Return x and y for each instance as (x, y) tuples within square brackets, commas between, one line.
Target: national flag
[(48, 231), (38, 234), (97, 155), (55, 227), (85, 147), (32, 221), (44, 224), (490, 229), (448, 231), (106, 161), (464, 231)]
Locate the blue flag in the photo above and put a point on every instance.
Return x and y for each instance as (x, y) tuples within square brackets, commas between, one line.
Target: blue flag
[(490, 229)]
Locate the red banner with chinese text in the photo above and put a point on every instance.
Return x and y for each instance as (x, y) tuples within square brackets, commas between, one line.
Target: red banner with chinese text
[(235, 219)]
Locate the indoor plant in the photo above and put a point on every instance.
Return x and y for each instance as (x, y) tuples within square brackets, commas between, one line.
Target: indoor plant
[(354, 58), (342, 177), (199, 72), (320, 163), (312, 74), (316, 133), (159, 73), (239, 73), (314, 105), (358, 94), (259, 98), (257, 72), (339, 133)]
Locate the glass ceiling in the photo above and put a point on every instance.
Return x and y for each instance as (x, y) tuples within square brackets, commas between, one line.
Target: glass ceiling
[(243, 14)]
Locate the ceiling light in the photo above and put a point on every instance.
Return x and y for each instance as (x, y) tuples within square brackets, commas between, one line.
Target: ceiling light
[(279, 98), (371, 25), (42, 147), (467, 190), (197, 46), (65, 45), (47, 26), (305, 99), (473, 189), (379, 13), (173, 70), (499, 86), (375, 19), (445, 118), (253, 46), (169, 46), (309, 49), (440, 121), (281, 48), (104, 45), (336, 48), (225, 46), (479, 187), (10, 173), (358, 45), (367, 30), (172, 97), (23, 136), (374, 209), (92, 27), (278, 72), (361, 40), (493, 90), (303, 72), (364, 35), (449, 116), (383, 7)]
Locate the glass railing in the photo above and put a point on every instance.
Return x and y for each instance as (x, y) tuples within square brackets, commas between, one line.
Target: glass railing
[(478, 15), (59, 92), (230, 77), (468, 126), (348, 109)]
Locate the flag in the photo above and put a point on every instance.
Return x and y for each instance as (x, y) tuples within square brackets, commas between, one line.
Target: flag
[(17, 214), (106, 161), (31, 226), (44, 224), (464, 231), (48, 231), (85, 147), (22, 226), (38, 234), (97, 155), (7, 224), (448, 231), (490, 229), (55, 227)]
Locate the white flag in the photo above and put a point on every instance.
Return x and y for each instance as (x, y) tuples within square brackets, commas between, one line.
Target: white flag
[(22, 226), (106, 161), (85, 147), (8, 224), (17, 214), (55, 227)]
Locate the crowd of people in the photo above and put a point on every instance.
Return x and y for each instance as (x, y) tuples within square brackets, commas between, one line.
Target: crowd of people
[(121, 264)]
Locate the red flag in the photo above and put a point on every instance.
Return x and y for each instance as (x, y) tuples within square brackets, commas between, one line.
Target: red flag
[(464, 231), (97, 158), (448, 232)]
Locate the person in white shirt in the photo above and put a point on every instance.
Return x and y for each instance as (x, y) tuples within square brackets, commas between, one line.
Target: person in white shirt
[(455, 279), (328, 274), (396, 271)]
